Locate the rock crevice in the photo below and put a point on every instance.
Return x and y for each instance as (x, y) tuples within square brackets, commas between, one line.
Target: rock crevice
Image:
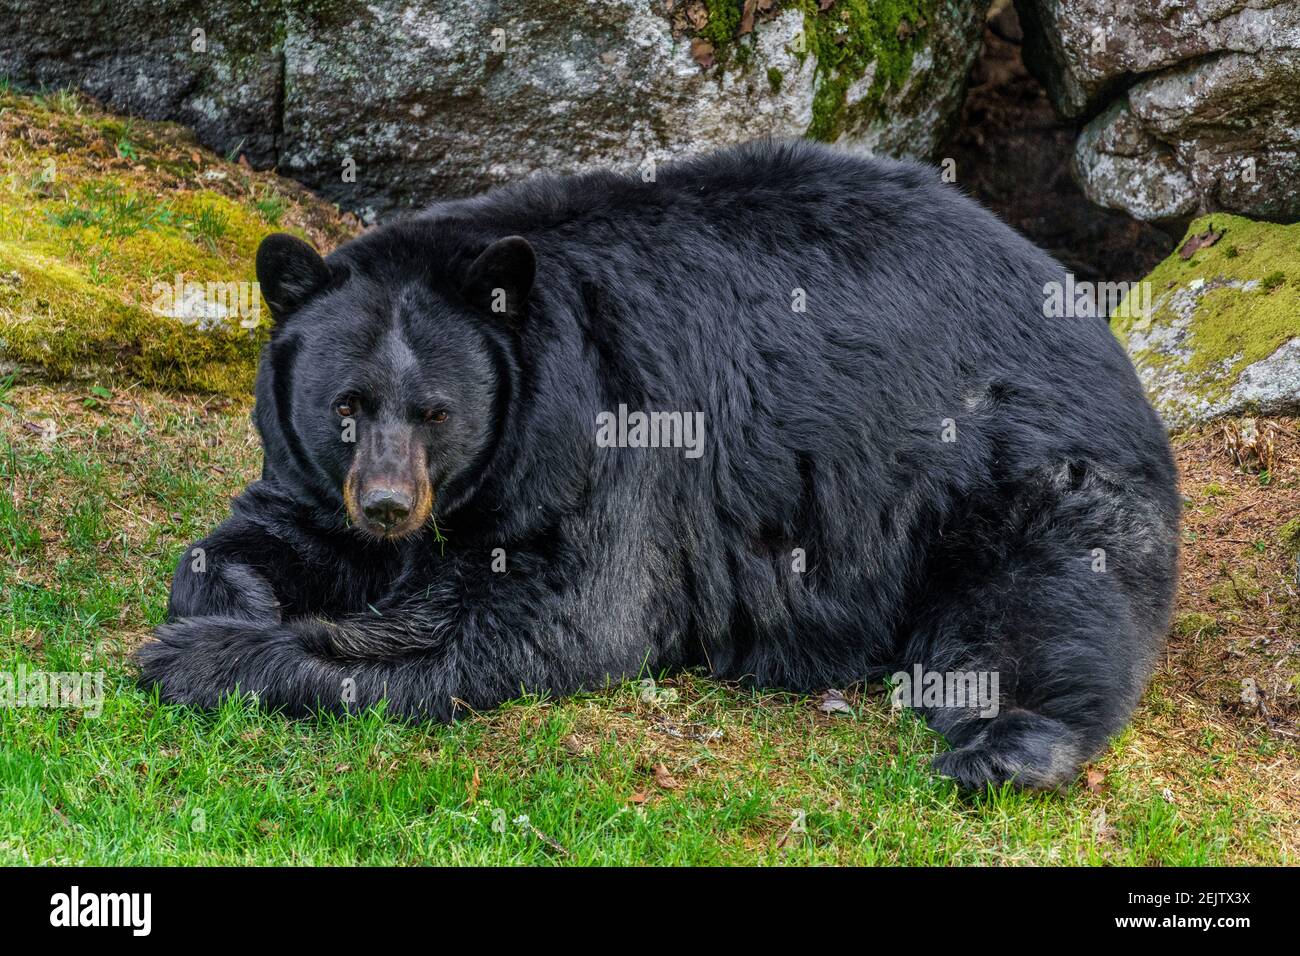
[(1190, 107)]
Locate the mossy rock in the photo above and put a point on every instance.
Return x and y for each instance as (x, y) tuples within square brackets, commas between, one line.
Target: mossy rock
[(1289, 536), (887, 76), (104, 220), (428, 99), (1223, 333)]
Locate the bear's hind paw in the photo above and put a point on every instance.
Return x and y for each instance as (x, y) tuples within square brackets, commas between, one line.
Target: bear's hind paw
[(1019, 747)]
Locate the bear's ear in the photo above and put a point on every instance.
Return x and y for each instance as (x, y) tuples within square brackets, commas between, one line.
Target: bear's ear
[(289, 273), (500, 279)]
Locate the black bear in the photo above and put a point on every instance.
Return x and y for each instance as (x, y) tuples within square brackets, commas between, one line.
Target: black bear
[(787, 414)]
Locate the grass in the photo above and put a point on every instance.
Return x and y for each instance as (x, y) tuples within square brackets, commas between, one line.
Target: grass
[(103, 487)]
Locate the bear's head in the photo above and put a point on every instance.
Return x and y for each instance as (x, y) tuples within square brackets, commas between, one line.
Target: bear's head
[(389, 364)]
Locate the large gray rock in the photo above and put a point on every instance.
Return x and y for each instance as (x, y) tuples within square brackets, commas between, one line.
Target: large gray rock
[(387, 104), (138, 57), (1084, 49), (1196, 102), (1220, 133)]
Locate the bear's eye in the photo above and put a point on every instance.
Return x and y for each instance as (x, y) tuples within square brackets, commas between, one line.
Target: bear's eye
[(347, 407), (436, 415)]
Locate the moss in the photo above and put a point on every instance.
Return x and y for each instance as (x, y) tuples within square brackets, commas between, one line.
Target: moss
[(848, 39), (1193, 623), (1230, 327), (1216, 490), (1237, 590), (1289, 536), (722, 32), (90, 254), (724, 22), (55, 318), (851, 37)]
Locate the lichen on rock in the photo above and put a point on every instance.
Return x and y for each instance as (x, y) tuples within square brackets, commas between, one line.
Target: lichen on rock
[(1223, 334), (1190, 106)]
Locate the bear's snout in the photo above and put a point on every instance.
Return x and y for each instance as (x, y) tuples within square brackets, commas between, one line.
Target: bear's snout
[(389, 507), (388, 492), (386, 507)]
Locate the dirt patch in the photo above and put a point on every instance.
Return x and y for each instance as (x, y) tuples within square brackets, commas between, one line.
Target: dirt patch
[(1236, 637)]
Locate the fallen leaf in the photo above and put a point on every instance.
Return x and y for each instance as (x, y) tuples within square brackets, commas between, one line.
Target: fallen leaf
[(702, 50), (833, 702), (664, 779), (638, 798), (747, 17), (1194, 243), (474, 783), (1095, 781)]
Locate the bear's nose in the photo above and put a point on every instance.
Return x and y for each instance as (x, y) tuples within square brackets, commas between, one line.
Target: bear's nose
[(386, 507)]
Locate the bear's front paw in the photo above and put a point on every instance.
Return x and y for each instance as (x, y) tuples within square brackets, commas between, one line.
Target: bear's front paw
[(199, 661)]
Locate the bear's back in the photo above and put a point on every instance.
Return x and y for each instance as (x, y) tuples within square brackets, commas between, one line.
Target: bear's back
[(806, 274)]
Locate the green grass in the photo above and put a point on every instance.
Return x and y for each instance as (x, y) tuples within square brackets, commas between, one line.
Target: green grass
[(144, 784), (91, 523), (271, 207)]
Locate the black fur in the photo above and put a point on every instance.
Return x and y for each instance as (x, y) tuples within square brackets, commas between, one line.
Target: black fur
[(823, 433)]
